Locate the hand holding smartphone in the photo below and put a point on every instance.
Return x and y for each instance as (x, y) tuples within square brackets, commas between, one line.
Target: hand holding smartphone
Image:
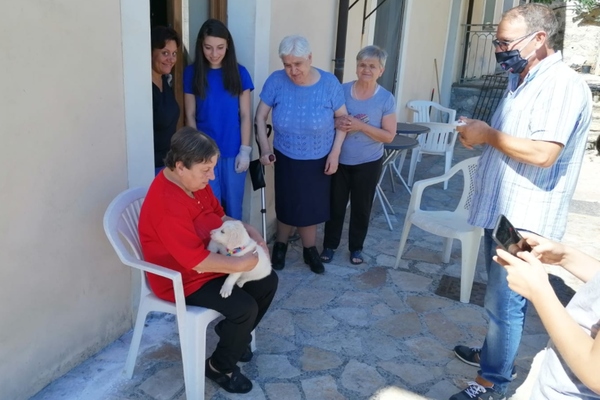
[(508, 238)]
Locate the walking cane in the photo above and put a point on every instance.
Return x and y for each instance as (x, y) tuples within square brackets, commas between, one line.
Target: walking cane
[(257, 175)]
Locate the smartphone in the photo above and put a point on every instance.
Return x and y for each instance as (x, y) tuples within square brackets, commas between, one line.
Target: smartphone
[(508, 238)]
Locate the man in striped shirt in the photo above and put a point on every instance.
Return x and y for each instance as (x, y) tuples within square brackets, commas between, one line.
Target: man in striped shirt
[(531, 159)]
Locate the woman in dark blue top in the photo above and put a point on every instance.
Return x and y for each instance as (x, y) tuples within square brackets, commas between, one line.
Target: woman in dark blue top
[(165, 110)]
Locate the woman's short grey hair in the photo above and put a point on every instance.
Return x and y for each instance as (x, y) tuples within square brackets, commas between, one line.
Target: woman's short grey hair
[(294, 45), (537, 17), (372, 52), (190, 146)]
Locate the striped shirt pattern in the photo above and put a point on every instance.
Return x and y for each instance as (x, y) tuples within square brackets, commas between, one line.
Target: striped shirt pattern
[(552, 104)]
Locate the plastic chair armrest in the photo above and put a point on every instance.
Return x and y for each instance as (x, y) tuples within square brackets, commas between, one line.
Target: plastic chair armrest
[(174, 276), (154, 269), (419, 187), (453, 139)]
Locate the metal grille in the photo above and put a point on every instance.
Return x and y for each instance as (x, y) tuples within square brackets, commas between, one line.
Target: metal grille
[(478, 52), (491, 94)]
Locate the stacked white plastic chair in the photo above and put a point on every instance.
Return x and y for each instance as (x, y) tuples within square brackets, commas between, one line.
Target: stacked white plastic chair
[(448, 224), (441, 138), (121, 222)]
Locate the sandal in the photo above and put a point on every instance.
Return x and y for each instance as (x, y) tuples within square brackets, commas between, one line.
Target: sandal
[(356, 255), (236, 383), (327, 254)]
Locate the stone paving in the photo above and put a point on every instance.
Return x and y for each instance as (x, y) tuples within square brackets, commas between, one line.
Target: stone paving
[(354, 332)]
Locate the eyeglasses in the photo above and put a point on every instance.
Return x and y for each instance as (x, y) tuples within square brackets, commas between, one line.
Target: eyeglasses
[(503, 44)]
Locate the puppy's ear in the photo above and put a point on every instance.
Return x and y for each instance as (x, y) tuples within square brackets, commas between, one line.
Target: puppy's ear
[(237, 235), (234, 237)]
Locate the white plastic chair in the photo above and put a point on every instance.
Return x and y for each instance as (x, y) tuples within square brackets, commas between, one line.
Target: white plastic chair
[(121, 222), (422, 111), (441, 138), (449, 224)]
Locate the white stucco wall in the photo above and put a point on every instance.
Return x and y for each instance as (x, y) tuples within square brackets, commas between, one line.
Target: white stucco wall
[(453, 59), (249, 22), (355, 39), (424, 39), (314, 19), (63, 293), (580, 45)]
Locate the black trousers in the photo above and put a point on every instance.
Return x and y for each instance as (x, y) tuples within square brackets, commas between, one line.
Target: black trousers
[(243, 310), (357, 183)]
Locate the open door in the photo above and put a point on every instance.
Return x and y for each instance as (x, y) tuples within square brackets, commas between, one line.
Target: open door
[(388, 31), (218, 10), (169, 13)]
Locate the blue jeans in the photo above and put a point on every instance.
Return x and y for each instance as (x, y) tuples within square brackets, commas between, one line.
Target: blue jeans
[(228, 187), (506, 311)]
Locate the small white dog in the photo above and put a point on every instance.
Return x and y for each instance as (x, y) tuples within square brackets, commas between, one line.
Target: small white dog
[(232, 239)]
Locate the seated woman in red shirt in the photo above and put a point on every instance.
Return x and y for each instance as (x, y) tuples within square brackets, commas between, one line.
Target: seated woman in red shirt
[(177, 216)]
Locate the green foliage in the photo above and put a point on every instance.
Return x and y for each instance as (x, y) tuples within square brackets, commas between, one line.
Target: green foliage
[(585, 5), (587, 12), (589, 4)]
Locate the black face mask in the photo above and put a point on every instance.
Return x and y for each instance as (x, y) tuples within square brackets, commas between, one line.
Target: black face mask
[(511, 61)]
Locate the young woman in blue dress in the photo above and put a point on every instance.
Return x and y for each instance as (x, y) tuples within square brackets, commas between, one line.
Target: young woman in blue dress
[(217, 102)]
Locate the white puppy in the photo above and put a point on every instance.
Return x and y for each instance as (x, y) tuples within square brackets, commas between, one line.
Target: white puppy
[(232, 239)]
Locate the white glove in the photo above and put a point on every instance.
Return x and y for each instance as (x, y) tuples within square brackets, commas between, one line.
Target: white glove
[(242, 161)]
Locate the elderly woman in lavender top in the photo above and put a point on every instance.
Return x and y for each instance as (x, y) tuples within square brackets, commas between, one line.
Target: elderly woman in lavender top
[(371, 123), (307, 146)]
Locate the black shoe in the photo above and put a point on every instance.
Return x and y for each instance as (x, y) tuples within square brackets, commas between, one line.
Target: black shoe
[(311, 257), (278, 256), (477, 392), (236, 383), (468, 355), (471, 355), (248, 354)]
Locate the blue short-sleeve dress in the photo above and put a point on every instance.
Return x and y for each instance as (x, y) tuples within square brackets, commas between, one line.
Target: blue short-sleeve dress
[(304, 130)]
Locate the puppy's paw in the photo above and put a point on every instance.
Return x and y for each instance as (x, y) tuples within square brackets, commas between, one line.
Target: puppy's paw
[(226, 291)]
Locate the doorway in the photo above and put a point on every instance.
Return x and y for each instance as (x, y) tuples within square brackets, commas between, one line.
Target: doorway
[(171, 13), (158, 13), (168, 13)]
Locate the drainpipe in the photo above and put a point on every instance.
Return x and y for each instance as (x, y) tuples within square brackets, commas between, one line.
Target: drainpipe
[(340, 44), (467, 34)]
